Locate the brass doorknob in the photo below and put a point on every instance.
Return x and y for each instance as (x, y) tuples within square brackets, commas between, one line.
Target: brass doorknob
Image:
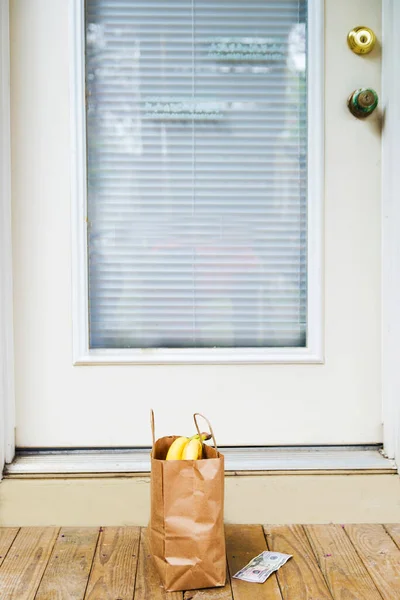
[(362, 102), (361, 40)]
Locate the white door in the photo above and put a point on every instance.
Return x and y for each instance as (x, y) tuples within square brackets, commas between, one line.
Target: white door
[(226, 256)]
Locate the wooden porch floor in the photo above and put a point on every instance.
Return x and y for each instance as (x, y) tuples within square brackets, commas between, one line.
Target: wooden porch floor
[(350, 562)]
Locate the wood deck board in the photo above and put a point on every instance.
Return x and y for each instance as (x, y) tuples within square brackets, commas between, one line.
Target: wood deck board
[(114, 566), (330, 562), (68, 570), (7, 536), (301, 578), (244, 542), (25, 563), (380, 555), (393, 530), (344, 572)]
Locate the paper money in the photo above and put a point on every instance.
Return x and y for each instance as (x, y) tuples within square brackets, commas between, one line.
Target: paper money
[(262, 566)]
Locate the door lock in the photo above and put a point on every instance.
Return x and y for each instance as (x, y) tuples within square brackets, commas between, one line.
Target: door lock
[(362, 102), (361, 40)]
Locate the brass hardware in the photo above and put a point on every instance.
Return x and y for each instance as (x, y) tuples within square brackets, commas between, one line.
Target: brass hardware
[(362, 102), (361, 40)]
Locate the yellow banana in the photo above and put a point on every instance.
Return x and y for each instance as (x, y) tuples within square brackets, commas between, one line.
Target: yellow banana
[(176, 448), (193, 450), (187, 448)]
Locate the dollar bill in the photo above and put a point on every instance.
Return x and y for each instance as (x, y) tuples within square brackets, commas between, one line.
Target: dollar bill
[(262, 566)]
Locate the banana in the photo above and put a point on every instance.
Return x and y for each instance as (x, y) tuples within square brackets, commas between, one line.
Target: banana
[(184, 448), (193, 450), (176, 448)]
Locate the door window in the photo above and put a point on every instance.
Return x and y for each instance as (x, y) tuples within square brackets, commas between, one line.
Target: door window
[(197, 173)]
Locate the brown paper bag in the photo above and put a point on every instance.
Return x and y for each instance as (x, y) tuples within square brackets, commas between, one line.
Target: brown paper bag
[(187, 516)]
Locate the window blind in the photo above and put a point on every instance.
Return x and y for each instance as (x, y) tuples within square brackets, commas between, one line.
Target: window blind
[(197, 173)]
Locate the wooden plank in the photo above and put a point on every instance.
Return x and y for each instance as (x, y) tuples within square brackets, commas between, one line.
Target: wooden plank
[(344, 572), (380, 555), (67, 572), (7, 536), (148, 584), (114, 566), (393, 530), (244, 542), (300, 578), (24, 565)]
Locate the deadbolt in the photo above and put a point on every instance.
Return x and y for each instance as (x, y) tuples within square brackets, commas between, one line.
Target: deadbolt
[(361, 40), (362, 102)]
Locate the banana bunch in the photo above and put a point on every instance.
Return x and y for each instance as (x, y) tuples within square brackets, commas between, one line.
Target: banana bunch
[(184, 448)]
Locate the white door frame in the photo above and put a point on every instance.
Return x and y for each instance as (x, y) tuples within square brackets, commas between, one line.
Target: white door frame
[(7, 403), (390, 240)]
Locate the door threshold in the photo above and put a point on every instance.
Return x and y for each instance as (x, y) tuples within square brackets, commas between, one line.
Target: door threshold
[(246, 460)]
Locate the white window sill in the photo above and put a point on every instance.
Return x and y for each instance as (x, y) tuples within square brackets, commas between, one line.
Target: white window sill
[(198, 356)]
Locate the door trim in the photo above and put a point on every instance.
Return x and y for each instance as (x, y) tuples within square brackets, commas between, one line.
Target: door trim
[(390, 230), (7, 401), (313, 353)]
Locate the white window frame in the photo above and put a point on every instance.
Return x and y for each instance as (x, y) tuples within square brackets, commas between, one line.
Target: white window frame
[(7, 400), (313, 353)]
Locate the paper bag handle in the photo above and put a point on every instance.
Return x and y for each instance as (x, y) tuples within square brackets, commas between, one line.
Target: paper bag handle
[(209, 426), (153, 428)]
